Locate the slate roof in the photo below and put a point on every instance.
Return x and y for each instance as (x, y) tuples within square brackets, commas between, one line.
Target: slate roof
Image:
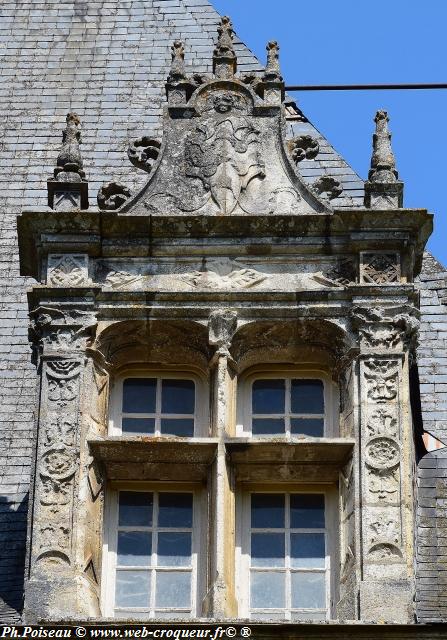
[(107, 60)]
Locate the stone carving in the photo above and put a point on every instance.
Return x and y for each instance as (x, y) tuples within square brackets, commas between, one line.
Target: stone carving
[(177, 72), (121, 279), (222, 325), (55, 492), (62, 381), (223, 146), (223, 276), (65, 270), (54, 536), (112, 196), (303, 148), (384, 551), (69, 189), (224, 155), (381, 377), (382, 423), (344, 272), (327, 187), (386, 327), (382, 453), (60, 430), (272, 71), (143, 153), (383, 189), (384, 529), (384, 484), (58, 464), (380, 268), (224, 57)]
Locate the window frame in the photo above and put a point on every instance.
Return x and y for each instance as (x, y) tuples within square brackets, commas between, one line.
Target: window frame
[(243, 543), (201, 400), (109, 551), (293, 372)]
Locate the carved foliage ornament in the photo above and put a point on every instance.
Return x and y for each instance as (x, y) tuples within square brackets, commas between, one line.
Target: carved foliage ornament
[(303, 148), (112, 196), (143, 152), (382, 453), (327, 187)]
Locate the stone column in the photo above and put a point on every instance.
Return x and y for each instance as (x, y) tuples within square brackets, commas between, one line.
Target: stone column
[(386, 464), (54, 588), (220, 601)]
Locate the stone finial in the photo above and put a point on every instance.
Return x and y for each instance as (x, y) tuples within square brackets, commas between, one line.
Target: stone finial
[(224, 57), (69, 160), (272, 71), (177, 72), (69, 188), (383, 188)]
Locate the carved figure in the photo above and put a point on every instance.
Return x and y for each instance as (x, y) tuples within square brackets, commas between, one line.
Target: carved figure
[(381, 378), (384, 485)]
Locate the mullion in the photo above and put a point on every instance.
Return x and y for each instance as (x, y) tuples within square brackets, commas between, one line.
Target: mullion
[(287, 406), (154, 548), (288, 585)]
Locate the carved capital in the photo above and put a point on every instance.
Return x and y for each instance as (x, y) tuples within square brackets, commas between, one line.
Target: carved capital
[(54, 331), (222, 325), (386, 327)]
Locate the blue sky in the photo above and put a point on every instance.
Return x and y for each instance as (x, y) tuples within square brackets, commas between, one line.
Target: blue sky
[(355, 41)]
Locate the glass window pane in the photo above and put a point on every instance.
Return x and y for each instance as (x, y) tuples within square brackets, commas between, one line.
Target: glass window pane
[(134, 548), (177, 396), (308, 550), (267, 550), (139, 395), (267, 510), (132, 588), (174, 549), (308, 590), (177, 427), (138, 425), (267, 590), (173, 589), (307, 511), (307, 426), (268, 396), (266, 426), (135, 508), (175, 510), (307, 396)]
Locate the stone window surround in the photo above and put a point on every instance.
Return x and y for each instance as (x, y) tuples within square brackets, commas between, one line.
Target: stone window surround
[(243, 534), (201, 414), (245, 382), (199, 542)]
